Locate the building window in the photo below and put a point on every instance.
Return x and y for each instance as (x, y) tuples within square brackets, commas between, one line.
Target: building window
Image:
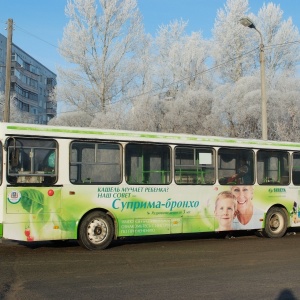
[(22, 106)]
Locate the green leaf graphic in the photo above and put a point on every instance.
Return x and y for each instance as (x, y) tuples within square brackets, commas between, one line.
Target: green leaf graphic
[(33, 202)]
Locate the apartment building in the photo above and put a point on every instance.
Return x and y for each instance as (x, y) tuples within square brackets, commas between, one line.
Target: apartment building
[(32, 85)]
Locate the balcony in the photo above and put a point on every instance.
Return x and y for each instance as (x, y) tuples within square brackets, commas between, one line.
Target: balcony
[(51, 109), (23, 99), (18, 67)]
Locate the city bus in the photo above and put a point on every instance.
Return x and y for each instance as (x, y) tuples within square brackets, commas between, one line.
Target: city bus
[(96, 186)]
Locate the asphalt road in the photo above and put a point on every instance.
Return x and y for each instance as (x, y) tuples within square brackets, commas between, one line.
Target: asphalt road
[(194, 267)]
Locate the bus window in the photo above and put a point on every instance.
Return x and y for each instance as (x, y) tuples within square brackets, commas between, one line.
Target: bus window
[(272, 167), (194, 165), (147, 164), (235, 166), (28, 161), (296, 168), (95, 163)]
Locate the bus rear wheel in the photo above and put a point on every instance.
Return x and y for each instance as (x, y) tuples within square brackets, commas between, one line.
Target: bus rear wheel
[(96, 231), (276, 223)]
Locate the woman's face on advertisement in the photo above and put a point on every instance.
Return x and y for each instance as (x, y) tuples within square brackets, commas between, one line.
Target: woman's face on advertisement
[(243, 194)]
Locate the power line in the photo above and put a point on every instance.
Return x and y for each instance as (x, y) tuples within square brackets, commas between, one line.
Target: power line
[(195, 75), (281, 45), (186, 78), (35, 36), (176, 82), (206, 71), (29, 33)]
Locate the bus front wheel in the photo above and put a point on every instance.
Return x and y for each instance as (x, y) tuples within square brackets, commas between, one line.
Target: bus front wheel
[(276, 223), (96, 231)]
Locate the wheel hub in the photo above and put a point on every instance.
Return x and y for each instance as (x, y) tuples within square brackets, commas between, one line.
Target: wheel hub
[(274, 222), (97, 231)]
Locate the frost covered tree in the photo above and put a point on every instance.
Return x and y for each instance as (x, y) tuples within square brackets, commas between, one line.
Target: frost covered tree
[(2, 103), (235, 47), (284, 111), (16, 115), (281, 54), (189, 112), (176, 81), (179, 59), (230, 43), (100, 43), (75, 118), (236, 109), (116, 117)]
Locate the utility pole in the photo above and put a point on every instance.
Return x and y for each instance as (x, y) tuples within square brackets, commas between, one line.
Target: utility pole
[(264, 124), (8, 70)]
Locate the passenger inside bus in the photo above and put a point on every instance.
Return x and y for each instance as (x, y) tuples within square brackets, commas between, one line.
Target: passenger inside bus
[(243, 175), (50, 163)]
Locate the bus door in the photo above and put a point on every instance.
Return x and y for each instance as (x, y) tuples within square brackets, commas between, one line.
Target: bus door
[(33, 201)]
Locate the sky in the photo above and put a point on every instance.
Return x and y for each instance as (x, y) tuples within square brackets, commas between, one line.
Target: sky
[(39, 24)]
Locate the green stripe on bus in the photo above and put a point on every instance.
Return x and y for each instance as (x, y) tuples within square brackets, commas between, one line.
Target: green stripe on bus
[(112, 133)]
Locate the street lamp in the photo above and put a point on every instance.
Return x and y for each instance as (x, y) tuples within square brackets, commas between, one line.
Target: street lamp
[(248, 23)]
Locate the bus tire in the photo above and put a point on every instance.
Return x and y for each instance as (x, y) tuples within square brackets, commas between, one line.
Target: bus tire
[(96, 231), (276, 223)]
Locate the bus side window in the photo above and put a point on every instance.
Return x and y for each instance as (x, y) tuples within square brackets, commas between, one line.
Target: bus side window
[(296, 168), (235, 166), (95, 163), (273, 167), (194, 165), (147, 164)]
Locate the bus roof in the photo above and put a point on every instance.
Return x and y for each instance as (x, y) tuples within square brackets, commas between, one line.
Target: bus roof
[(17, 129)]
